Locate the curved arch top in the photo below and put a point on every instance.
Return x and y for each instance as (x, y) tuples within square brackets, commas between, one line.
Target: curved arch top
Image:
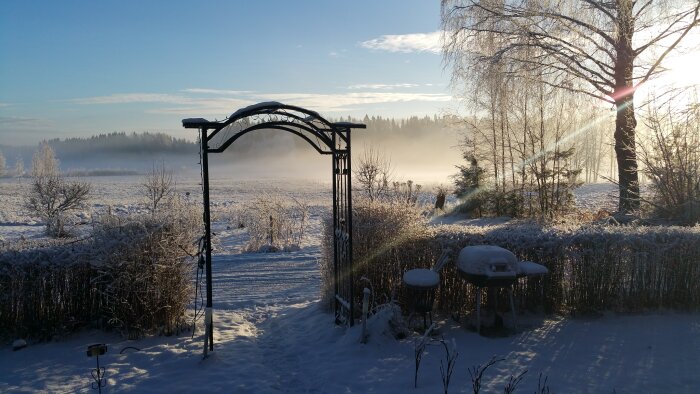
[(326, 137)]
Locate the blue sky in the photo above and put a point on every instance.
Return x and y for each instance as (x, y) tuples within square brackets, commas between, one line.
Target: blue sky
[(76, 68)]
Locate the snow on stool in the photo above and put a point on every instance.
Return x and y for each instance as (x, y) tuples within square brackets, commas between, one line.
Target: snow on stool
[(421, 278), (420, 292)]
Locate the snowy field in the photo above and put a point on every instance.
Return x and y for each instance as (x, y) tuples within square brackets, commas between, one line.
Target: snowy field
[(272, 336)]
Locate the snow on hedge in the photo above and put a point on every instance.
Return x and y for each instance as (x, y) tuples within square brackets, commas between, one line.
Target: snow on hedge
[(598, 267), (591, 268), (132, 275)]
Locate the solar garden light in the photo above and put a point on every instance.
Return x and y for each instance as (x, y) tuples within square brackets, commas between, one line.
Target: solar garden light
[(98, 373)]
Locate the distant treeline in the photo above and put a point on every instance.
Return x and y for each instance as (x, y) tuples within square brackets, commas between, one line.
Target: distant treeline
[(406, 128), (122, 143)]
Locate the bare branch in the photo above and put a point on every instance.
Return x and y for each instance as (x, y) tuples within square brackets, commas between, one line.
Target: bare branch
[(671, 47)]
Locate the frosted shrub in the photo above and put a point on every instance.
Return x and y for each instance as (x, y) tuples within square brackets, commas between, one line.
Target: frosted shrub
[(535, 188), (441, 192), (373, 174), (671, 158), (273, 223), (405, 192), (132, 275), (148, 285), (388, 238), (51, 196), (157, 187)]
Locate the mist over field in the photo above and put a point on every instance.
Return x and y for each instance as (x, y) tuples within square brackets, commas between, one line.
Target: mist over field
[(424, 150)]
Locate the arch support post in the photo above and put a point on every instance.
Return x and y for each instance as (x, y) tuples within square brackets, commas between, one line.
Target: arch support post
[(342, 229), (208, 311)]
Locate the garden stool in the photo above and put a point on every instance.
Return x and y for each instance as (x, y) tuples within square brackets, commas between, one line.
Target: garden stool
[(421, 284)]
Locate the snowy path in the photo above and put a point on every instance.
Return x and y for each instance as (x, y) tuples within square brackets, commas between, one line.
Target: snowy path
[(245, 280)]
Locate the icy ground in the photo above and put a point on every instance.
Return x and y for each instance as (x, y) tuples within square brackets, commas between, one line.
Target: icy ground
[(272, 336)]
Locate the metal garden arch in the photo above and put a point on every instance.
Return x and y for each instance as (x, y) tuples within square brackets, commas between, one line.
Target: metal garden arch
[(328, 139)]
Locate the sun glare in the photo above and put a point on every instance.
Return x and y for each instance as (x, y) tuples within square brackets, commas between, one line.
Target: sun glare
[(679, 81), (683, 71), (681, 74)]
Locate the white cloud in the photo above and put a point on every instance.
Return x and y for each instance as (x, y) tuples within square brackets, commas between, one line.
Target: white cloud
[(215, 91), (183, 104), (384, 86), (211, 102), (338, 54), (15, 120), (344, 101), (126, 98), (4, 104), (417, 42), (217, 107)]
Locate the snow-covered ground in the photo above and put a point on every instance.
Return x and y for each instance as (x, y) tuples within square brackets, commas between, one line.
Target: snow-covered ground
[(272, 335)]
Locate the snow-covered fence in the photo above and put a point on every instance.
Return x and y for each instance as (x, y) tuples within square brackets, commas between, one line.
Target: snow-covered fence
[(133, 276), (591, 268)]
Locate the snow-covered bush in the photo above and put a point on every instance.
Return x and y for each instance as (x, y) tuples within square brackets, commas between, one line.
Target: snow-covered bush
[(147, 286), (373, 174), (133, 275), (273, 223), (158, 187), (671, 159), (388, 239), (51, 195)]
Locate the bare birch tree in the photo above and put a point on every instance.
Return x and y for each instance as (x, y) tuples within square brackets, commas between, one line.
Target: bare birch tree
[(157, 185), (19, 167), (3, 164), (373, 173), (601, 48), (51, 196)]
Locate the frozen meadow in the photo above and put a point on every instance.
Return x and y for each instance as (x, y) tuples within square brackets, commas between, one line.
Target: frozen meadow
[(272, 335)]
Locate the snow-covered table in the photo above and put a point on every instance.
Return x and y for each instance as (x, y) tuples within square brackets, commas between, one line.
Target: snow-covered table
[(492, 267)]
